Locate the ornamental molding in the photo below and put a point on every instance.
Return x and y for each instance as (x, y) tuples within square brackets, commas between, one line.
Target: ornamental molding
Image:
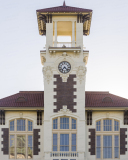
[(53, 54), (64, 57), (81, 71), (64, 111), (47, 72), (76, 54)]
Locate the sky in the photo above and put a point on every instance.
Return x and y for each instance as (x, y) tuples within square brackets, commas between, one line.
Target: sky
[(20, 45)]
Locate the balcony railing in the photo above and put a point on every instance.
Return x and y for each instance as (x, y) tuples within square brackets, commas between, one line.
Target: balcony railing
[(64, 44), (64, 154)]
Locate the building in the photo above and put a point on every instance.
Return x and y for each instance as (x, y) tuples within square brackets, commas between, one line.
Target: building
[(64, 122)]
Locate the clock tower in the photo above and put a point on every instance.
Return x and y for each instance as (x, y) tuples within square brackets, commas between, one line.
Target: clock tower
[(64, 70)]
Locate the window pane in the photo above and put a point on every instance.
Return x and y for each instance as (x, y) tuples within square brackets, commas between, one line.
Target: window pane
[(98, 146), (98, 126), (64, 142), (21, 150), (73, 124), (21, 125), (107, 125), (64, 123), (73, 142), (12, 126), (29, 126), (12, 149), (30, 146), (107, 146), (54, 142), (116, 149), (30, 141), (116, 125), (55, 122), (21, 141)]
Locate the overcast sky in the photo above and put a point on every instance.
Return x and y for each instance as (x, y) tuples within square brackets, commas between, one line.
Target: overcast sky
[(20, 45)]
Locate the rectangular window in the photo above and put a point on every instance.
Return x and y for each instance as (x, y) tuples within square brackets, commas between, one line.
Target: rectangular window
[(12, 147), (116, 145), (98, 146), (73, 142), (116, 125), (30, 147), (29, 126), (21, 149), (107, 146), (64, 142), (107, 125), (20, 125), (55, 122), (12, 126), (54, 142), (64, 123), (98, 126), (73, 124)]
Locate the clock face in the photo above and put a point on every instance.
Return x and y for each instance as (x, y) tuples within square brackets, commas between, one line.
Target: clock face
[(64, 67)]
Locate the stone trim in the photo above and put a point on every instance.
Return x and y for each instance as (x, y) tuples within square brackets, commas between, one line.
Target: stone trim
[(5, 141), (92, 141), (65, 93), (123, 141), (36, 142)]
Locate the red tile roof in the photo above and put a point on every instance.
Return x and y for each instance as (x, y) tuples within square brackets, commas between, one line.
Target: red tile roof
[(24, 99), (36, 99), (104, 99), (64, 9)]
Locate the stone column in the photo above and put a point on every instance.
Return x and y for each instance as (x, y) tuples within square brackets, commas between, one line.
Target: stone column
[(55, 32), (73, 34)]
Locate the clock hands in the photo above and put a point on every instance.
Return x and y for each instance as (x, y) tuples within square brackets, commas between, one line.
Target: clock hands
[(64, 67)]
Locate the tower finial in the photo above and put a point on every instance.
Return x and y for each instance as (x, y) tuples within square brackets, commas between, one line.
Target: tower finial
[(64, 4)]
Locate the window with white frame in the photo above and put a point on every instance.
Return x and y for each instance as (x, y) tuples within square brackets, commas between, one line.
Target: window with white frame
[(64, 134), (21, 139), (107, 139)]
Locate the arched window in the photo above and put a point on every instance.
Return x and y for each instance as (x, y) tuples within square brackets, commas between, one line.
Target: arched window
[(21, 139), (107, 139), (64, 134)]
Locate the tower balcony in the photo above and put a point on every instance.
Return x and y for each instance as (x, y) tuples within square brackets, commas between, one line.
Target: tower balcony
[(64, 47), (64, 44)]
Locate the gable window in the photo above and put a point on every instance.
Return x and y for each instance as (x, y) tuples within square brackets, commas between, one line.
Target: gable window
[(21, 139), (64, 134), (107, 139)]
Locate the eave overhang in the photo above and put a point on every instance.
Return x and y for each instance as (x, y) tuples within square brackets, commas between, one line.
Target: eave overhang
[(100, 109), (45, 16)]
